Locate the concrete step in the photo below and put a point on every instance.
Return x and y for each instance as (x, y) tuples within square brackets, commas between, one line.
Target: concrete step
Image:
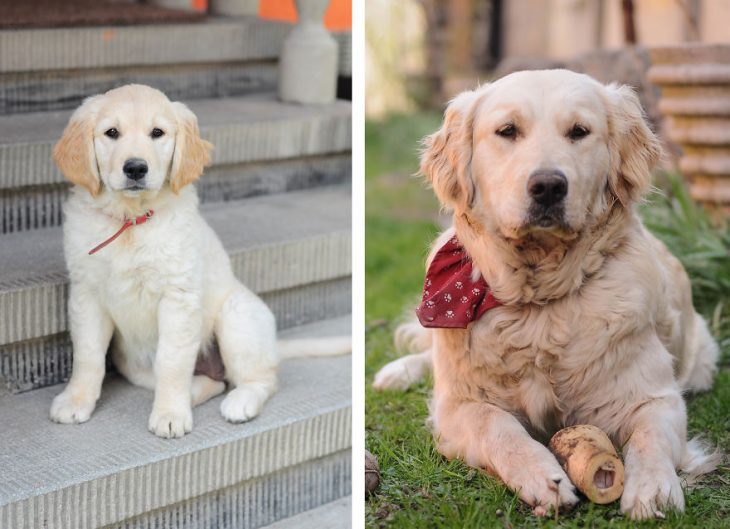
[(260, 144), (112, 471), (48, 69), (334, 515), (293, 249)]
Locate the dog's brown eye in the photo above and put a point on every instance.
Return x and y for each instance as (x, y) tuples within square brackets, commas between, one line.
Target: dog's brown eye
[(507, 131), (112, 133), (156, 133), (578, 132)]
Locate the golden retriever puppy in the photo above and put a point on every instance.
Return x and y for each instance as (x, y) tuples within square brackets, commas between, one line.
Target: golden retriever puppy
[(161, 284), (586, 318)]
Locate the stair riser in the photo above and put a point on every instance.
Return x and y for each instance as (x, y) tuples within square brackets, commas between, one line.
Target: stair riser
[(28, 208), (46, 361), (31, 163), (54, 90), (201, 476), (254, 504)]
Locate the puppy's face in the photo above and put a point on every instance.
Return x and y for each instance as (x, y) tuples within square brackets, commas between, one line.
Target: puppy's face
[(132, 141), (541, 151)]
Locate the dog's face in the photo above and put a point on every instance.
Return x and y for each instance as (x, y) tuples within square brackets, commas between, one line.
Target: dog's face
[(544, 151), (133, 141)]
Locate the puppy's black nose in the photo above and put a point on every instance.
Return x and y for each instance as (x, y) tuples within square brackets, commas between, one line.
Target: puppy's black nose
[(547, 187), (135, 168)]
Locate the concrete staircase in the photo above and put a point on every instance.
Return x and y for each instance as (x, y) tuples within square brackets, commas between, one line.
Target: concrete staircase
[(277, 194)]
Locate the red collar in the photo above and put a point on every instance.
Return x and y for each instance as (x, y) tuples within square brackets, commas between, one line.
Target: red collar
[(127, 224), (451, 299)]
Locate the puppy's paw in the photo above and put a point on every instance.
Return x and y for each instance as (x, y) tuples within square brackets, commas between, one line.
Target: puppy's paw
[(648, 491), (170, 423), (545, 487), (398, 375), (243, 404), (72, 407)]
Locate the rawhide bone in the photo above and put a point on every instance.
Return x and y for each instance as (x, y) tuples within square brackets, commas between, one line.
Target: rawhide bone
[(591, 462)]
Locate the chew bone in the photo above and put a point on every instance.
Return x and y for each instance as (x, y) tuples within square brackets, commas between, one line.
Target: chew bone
[(590, 460)]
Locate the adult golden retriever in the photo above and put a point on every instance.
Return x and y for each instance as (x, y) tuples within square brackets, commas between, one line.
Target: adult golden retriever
[(164, 289), (596, 325)]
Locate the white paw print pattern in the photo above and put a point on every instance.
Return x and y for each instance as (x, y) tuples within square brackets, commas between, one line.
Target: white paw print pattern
[(475, 291), (468, 314), (449, 314), (428, 282), (459, 285), (430, 304), (464, 299), (426, 293), (447, 297)]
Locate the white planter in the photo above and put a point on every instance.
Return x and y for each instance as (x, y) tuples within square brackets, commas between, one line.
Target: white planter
[(308, 62)]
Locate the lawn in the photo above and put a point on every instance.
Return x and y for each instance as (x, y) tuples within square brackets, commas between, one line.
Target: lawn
[(420, 489)]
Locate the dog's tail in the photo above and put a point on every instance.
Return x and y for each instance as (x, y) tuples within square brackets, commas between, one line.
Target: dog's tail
[(699, 459), (314, 347)]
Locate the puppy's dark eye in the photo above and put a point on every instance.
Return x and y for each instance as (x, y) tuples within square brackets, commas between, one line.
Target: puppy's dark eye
[(157, 133), (507, 131), (578, 132), (112, 133)]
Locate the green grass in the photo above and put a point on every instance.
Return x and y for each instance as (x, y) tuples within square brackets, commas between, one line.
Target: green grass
[(419, 488)]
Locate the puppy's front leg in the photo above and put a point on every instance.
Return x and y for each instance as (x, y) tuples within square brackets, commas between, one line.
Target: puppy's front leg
[(490, 438), (655, 446), (180, 329), (91, 331)]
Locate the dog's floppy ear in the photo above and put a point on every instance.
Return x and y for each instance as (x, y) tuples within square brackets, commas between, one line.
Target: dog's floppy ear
[(446, 155), (635, 149), (192, 153), (74, 153)]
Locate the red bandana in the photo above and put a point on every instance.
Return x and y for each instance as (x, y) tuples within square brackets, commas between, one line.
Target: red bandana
[(450, 298)]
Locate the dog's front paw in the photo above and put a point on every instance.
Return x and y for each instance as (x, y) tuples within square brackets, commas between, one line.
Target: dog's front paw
[(72, 407), (649, 490), (170, 423), (242, 404), (545, 487)]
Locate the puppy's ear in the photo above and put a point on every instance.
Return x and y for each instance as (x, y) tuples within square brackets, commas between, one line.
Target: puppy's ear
[(74, 153), (192, 153), (446, 155), (635, 149)]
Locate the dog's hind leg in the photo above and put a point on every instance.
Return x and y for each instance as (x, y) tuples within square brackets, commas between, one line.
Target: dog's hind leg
[(203, 388), (706, 354), (404, 372), (246, 334)]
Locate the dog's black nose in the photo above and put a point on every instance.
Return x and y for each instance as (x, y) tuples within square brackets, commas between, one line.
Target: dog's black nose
[(135, 168), (547, 187)]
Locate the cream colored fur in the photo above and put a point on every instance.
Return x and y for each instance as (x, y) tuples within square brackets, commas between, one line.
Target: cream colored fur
[(163, 290), (597, 324)]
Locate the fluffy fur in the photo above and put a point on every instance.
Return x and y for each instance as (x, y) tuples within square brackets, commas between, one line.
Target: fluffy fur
[(597, 324), (164, 291)]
